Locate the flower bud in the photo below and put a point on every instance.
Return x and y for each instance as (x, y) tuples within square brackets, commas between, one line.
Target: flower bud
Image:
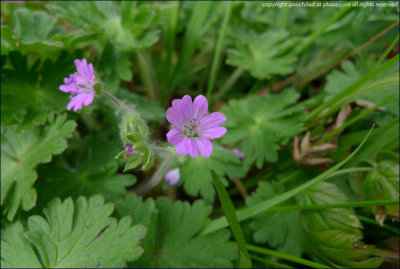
[(173, 176), (238, 153), (133, 124)]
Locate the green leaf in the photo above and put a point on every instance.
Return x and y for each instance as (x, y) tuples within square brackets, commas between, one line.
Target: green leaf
[(262, 54), (20, 154), (260, 123), (172, 240), (290, 237), (33, 32), (115, 65), (382, 183), (72, 235), (339, 80), (230, 213), (222, 161), (126, 26), (334, 234), (33, 25), (86, 168), (29, 93)]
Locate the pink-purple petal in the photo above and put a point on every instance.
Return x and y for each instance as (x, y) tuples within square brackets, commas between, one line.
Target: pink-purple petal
[(68, 88), (87, 99), (212, 120), (193, 150), (187, 146), (185, 108), (73, 102), (174, 136), (212, 133), (204, 146), (200, 107), (175, 118), (182, 147)]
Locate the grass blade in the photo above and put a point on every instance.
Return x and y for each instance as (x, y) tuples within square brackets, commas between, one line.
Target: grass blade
[(326, 206), (218, 50), (285, 256), (229, 209)]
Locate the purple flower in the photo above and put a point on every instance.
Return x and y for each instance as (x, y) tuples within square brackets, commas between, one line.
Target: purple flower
[(130, 150), (238, 153), (173, 176), (193, 127), (80, 85)]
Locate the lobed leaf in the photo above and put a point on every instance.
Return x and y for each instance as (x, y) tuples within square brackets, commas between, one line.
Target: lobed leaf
[(224, 162), (21, 153), (72, 235), (86, 168), (34, 31), (30, 93), (259, 124), (173, 238), (125, 24), (262, 54), (290, 237)]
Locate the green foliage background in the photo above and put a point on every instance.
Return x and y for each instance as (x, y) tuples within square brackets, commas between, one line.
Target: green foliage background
[(300, 87)]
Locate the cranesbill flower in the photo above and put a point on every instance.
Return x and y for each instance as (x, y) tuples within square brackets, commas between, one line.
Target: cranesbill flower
[(173, 176), (80, 85), (238, 153), (193, 127)]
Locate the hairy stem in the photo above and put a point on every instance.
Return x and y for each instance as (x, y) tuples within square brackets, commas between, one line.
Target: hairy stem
[(118, 105), (156, 177)]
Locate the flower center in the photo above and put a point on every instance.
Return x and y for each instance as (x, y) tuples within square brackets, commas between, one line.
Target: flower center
[(191, 128), (88, 86)]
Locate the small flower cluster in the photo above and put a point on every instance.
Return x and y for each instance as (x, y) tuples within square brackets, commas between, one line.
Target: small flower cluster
[(193, 127)]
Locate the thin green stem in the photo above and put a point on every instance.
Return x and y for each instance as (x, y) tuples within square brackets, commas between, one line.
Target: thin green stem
[(386, 253), (317, 33), (147, 74), (388, 50), (218, 50), (229, 83), (371, 221), (290, 177), (327, 206), (172, 26), (285, 256), (283, 17), (353, 120), (156, 178), (350, 170), (119, 106), (198, 24), (270, 263)]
